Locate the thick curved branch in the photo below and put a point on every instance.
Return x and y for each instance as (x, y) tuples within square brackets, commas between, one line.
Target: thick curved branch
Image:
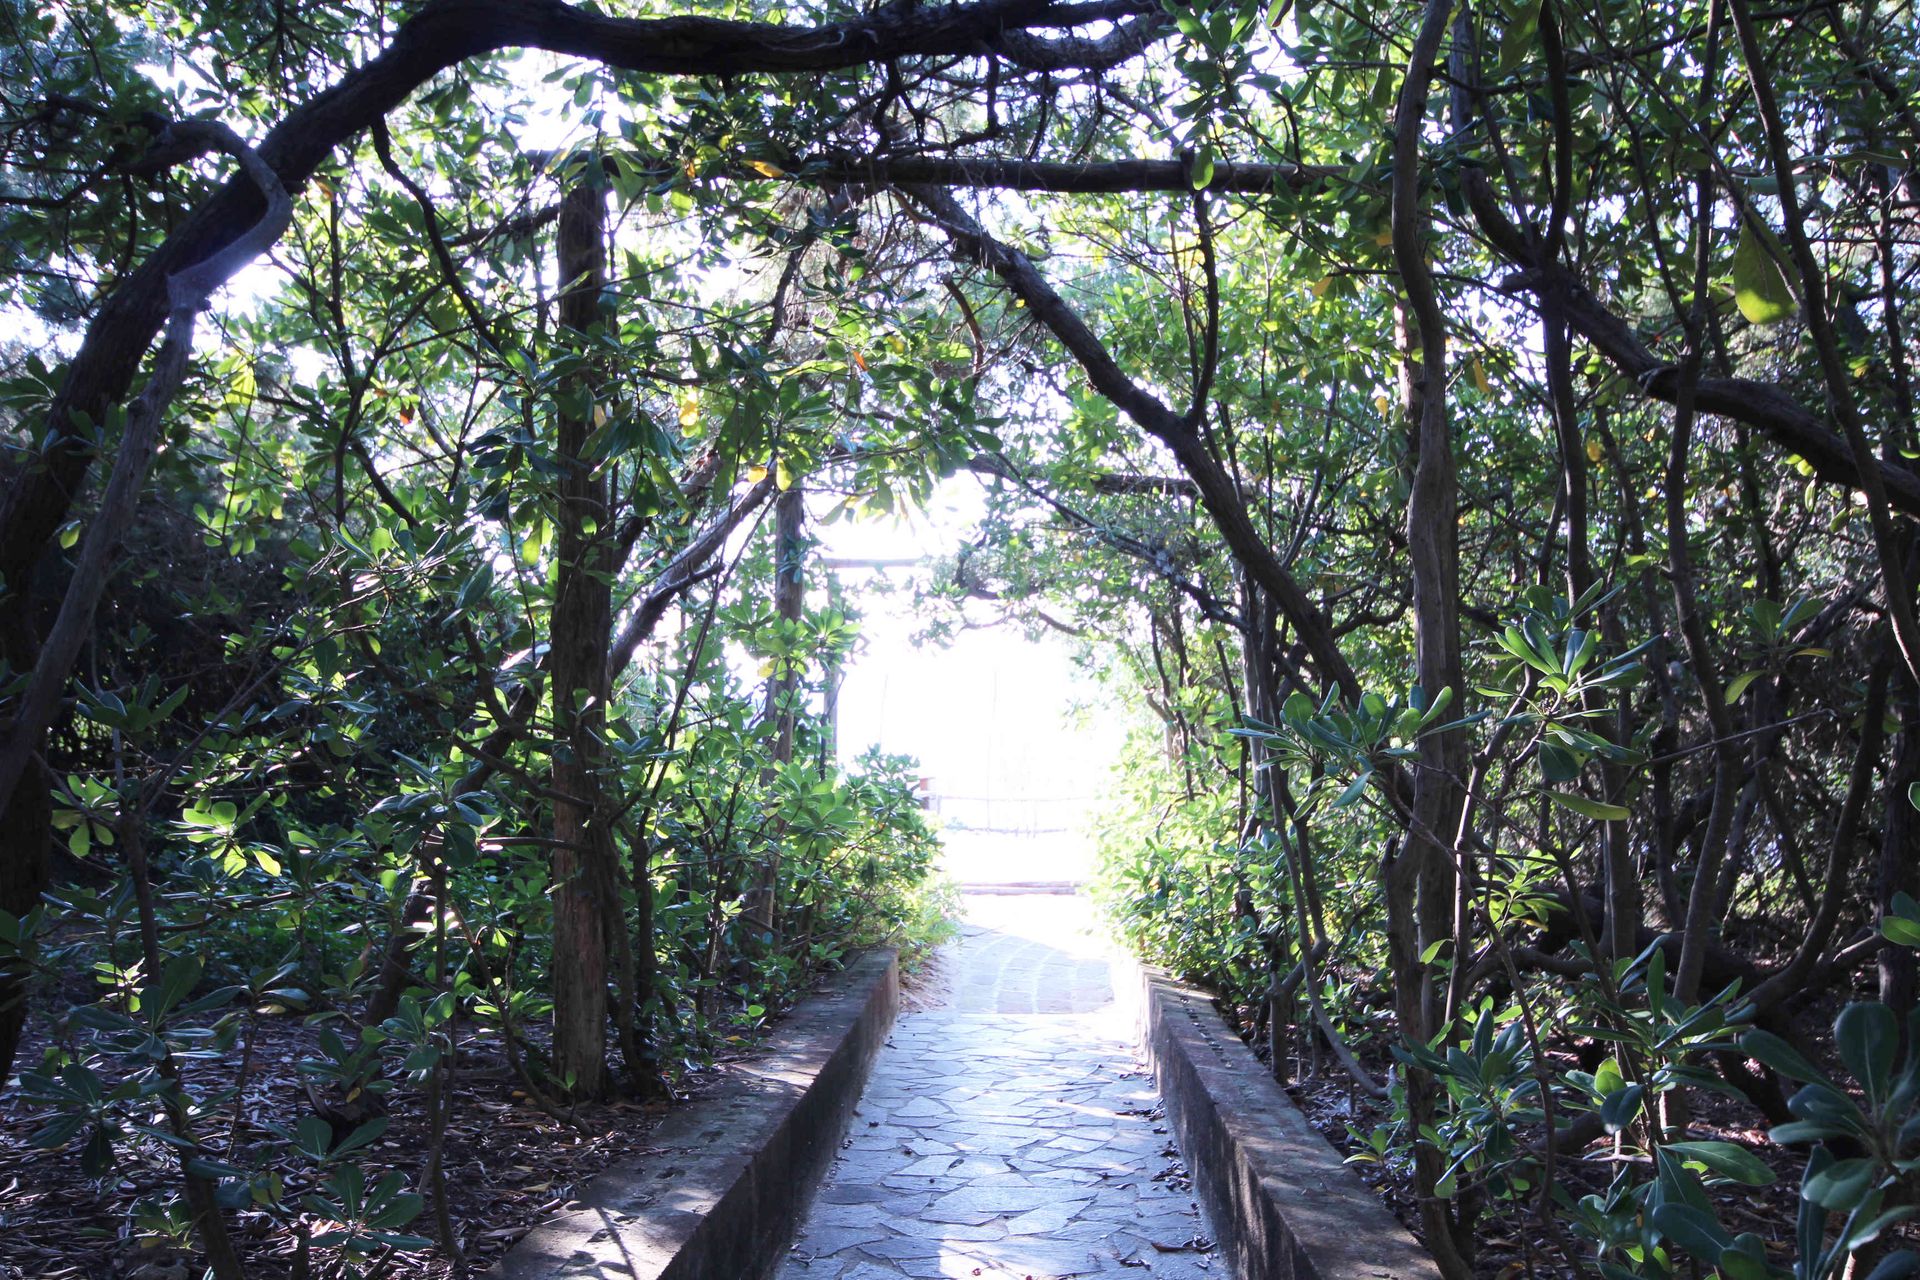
[(1216, 489), (1083, 53), (1766, 407), (440, 36), (187, 292)]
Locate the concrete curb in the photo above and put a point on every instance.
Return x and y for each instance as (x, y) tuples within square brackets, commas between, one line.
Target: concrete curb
[(724, 1197), (1277, 1194)]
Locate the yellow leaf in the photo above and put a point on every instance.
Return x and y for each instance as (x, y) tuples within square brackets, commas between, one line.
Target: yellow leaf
[(1594, 451), (766, 170), (756, 474), (690, 411), (1384, 405), (1320, 286), (1480, 378), (599, 415)]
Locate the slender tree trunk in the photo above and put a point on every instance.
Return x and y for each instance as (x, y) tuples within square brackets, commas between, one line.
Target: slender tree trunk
[(28, 823), (585, 895), (1419, 881), (209, 1224), (396, 964), (1899, 867), (1285, 975), (789, 601)]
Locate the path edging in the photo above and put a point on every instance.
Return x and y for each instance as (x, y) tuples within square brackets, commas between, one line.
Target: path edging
[(731, 1176), (1283, 1204)]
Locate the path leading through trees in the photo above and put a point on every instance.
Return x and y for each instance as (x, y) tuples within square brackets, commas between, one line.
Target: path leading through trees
[(1010, 1132)]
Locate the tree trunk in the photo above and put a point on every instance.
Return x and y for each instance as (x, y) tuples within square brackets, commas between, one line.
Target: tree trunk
[(1899, 869), (580, 635), (789, 601), (1419, 881), (28, 823)]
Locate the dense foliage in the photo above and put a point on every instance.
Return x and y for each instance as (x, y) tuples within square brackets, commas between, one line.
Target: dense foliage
[(1478, 438)]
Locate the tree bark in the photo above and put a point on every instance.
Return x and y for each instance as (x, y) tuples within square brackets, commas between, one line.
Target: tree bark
[(1899, 865), (789, 603), (1419, 881), (28, 822), (584, 889)]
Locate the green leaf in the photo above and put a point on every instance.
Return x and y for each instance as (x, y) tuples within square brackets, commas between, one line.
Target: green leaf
[(1810, 1223), (1679, 1184), (313, 1136), (1903, 1265), (1805, 1131), (361, 1136), (1621, 1106), (1695, 1230), (1840, 1186), (1745, 1259), (1727, 1160), (1868, 1036), (1869, 1231), (1759, 286), (180, 976), (1772, 1051), (1738, 685), (1589, 808), (1557, 764), (1200, 169)]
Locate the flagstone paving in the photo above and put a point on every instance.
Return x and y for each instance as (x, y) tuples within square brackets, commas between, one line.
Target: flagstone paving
[(1012, 1134)]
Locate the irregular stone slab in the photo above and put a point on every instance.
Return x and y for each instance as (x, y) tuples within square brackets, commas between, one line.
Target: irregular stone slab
[(1037, 1133), (842, 1239)]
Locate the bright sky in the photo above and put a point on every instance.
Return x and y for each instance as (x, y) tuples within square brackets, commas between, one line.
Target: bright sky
[(1010, 732)]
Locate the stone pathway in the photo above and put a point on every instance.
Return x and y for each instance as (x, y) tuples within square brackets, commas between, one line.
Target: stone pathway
[(1012, 1135)]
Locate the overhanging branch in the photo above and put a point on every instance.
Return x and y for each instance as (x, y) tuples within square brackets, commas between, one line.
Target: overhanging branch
[(442, 35), (1216, 489)]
